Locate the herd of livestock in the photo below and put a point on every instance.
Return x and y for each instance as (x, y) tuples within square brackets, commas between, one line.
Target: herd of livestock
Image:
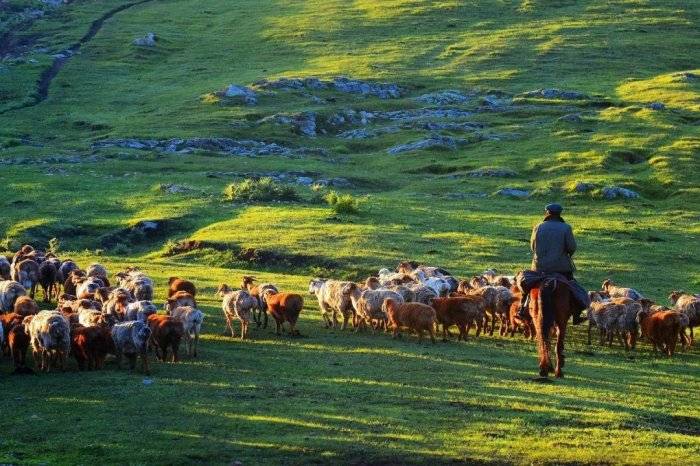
[(96, 315)]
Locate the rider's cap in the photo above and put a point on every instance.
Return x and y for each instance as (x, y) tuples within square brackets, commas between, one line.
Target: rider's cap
[(554, 208)]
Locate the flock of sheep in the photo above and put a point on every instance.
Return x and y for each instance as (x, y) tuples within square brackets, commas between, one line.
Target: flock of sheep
[(95, 318)]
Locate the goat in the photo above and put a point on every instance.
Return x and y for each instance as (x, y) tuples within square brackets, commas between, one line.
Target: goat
[(615, 291), (258, 293), (284, 307), (131, 340), (415, 316), (176, 284), (237, 305), (90, 346), (191, 319), (463, 311), (166, 332)]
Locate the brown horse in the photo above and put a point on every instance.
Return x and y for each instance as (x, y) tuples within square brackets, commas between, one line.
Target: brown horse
[(555, 299)]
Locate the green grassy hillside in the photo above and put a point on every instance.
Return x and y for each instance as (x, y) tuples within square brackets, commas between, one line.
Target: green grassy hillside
[(89, 164)]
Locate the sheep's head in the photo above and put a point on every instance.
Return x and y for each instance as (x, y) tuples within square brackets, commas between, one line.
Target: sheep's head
[(349, 288), (607, 284), (406, 266), (222, 290), (675, 294), (315, 285), (248, 281), (372, 283), (26, 249), (172, 279)]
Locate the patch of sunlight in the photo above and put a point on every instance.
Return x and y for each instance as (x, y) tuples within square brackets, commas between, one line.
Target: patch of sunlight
[(301, 229), (549, 45), (273, 420), (20, 226), (527, 6), (66, 399), (674, 90), (390, 9)]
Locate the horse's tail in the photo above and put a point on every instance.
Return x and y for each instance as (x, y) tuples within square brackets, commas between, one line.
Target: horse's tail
[(543, 323)]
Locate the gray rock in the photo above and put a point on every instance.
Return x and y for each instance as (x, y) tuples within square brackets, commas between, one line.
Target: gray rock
[(363, 133), (149, 40), (656, 106), (305, 180), (614, 192), (571, 118), (241, 93), (340, 84), (334, 182), (492, 172), (146, 226), (354, 86), (555, 94), (511, 192), (584, 187), (175, 189), (246, 148), (422, 113), (305, 123), (449, 126), (685, 76), (435, 140), (448, 97), (493, 102)]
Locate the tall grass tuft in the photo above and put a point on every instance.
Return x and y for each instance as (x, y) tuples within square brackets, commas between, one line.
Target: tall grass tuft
[(260, 190)]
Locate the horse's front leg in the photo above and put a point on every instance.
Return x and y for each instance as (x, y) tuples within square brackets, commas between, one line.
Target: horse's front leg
[(561, 334)]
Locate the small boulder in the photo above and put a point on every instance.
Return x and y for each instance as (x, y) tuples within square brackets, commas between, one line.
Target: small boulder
[(492, 172), (305, 123), (584, 187), (511, 192), (242, 93), (614, 192), (656, 106), (149, 40), (436, 140), (354, 86), (555, 94), (571, 118), (449, 97)]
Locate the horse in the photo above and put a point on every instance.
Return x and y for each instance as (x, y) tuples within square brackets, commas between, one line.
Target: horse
[(551, 304)]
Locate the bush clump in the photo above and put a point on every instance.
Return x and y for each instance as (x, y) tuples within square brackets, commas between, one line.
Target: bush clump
[(260, 190), (342, 203)]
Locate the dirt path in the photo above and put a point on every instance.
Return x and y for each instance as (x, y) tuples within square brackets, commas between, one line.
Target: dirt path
[(44, 82)]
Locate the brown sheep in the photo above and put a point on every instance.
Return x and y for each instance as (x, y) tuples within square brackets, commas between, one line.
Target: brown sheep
[(284, 307), (71, 282), (180, 299), (662, 328), (26, 273), (497, 301), (18, 344), (25, 306), (176, 284), (463, 312), (415, 316), (91, 345), (166, 332), (47, 279), (515, 322)]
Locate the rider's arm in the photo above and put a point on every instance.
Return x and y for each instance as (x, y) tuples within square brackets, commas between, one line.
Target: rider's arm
[(570, 242)]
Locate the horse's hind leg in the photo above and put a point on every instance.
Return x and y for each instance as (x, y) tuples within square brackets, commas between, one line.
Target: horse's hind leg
[(560, 351)]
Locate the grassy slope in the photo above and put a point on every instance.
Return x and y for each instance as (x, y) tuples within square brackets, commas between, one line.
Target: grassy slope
[(350, 398)]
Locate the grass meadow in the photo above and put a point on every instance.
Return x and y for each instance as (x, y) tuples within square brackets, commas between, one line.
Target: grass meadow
[(339, 397)]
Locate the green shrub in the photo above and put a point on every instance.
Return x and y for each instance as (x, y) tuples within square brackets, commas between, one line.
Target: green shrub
[(342, 203), (54, 245), (262, 190)]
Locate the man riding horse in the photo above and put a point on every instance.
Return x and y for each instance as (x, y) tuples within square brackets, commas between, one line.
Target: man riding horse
[(552, 243)]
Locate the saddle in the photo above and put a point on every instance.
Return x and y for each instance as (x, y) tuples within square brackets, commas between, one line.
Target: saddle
[(529, 279)]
